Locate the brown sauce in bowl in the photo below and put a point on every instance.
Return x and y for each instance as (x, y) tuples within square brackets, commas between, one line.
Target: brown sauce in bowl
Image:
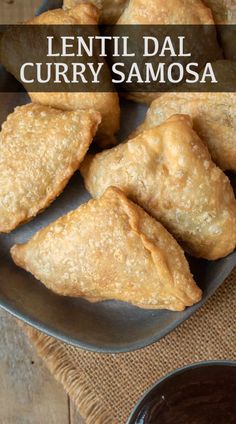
[(202, 394)]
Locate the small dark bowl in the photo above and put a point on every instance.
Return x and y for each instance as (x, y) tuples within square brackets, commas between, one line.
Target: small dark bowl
[(202, 393), (109, 327)]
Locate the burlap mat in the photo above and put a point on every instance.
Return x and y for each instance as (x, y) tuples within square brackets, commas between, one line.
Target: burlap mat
[(106, 387)]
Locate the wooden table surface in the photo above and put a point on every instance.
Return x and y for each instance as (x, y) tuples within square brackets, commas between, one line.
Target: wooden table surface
[(28, 392)]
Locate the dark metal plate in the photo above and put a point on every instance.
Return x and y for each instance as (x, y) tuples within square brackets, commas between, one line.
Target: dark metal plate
[(103, 327)]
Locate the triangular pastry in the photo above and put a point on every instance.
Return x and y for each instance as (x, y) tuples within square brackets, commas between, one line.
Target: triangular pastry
[(110, 248), (224, 12), (168, 12), (40, 149), (106, 103), (171, 12), (169, 172), (214, 119), (110, 10)]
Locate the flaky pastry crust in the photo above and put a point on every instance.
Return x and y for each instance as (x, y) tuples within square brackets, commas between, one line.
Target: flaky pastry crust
[(110, 248), (40, 149), (224, 12), (214, 119), (169, 172), (169, 12), (159, 12), (110, 10), (106, 103)]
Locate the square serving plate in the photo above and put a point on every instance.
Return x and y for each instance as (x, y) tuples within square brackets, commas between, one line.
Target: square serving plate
[(110, 326)]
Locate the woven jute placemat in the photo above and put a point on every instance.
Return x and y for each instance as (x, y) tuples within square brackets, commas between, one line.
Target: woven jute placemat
[(105, 388)]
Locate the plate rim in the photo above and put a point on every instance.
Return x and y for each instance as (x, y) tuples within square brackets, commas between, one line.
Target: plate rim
[(110, 349)]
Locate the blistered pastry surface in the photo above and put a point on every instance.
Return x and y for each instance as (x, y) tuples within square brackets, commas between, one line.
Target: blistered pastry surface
[(169, 172), (40, 149), (110, 248)]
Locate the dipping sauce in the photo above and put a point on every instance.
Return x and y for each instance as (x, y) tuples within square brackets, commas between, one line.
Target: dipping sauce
[(201, 394)]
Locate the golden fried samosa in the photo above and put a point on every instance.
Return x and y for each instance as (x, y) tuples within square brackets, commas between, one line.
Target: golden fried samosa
[(145, 265), (169, 172), (224, 12), (40, 149), (214, 119), (169, 12), (172, 12), (107, 103), (110, 10)]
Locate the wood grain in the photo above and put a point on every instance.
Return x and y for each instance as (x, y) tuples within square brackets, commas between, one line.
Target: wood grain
[(28, 392), (75, 417), (14, 11)]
